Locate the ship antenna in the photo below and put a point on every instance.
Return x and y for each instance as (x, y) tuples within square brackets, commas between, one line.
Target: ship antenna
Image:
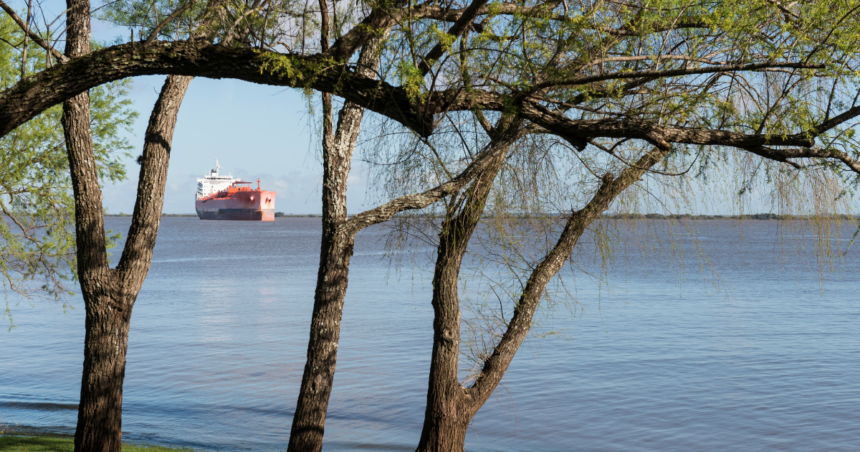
[(258, 184)]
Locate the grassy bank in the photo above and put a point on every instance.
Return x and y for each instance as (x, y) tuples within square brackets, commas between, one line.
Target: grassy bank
[(12, 443)]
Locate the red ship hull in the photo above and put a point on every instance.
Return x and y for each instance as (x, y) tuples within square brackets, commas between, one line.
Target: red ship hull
[(247, 205)]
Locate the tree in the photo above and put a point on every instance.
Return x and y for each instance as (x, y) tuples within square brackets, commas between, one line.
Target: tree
[(108, 294), (338, 238), (650, 98), (35, 188)]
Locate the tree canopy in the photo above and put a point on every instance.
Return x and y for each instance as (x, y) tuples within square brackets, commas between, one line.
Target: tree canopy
[(38, 244), (771, 80)]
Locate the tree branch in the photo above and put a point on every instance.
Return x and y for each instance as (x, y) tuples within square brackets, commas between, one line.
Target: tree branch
[(782, 155), (168, 19), (431, 11), (521, 321), (35, 37), (37, 93), (645, 130), (375, 23), (460, 26), (669, 73), (137, 252), (849, 114), (425, 198)]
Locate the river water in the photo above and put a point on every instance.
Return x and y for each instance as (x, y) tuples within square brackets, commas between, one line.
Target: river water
[(745, 342)]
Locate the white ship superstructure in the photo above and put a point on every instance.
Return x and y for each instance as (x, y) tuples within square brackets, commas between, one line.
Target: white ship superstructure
[(213, 182), (224, 198)]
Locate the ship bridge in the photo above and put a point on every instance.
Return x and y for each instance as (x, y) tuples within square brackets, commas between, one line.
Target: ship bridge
[(213, 182)]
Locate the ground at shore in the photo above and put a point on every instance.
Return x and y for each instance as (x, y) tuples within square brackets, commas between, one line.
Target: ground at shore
[(14, 443)]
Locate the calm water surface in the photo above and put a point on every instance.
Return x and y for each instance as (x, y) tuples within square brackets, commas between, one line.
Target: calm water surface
[(764, 357)]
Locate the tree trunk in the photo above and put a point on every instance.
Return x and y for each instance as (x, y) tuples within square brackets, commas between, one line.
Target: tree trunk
[(444, 423), (309, 418), (152, 179), (447, 432), (445, 420), (332, 279), (109, 295), (99, 426), (308, 425), (446, 416), (100, 408)]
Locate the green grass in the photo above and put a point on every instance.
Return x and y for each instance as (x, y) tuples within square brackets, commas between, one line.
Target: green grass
[(13, 443)]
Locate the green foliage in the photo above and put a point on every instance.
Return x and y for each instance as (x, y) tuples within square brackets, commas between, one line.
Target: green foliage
[(211, 19), (411, 79), (281, 65), (37, 241), (145, 16), (298, 71)]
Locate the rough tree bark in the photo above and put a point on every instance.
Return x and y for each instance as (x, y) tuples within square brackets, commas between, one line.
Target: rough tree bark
[(308, 425), (444, 423), (196, 57), (109, 294), (450, 406)]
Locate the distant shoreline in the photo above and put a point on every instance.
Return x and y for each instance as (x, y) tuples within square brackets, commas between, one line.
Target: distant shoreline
[(625, 216), (754, 216)]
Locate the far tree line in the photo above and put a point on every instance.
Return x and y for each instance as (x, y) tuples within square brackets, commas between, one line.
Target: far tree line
[(536, 116), (625, 216)]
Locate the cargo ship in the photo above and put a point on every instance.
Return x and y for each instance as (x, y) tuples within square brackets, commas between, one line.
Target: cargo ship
[(224, 198)]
